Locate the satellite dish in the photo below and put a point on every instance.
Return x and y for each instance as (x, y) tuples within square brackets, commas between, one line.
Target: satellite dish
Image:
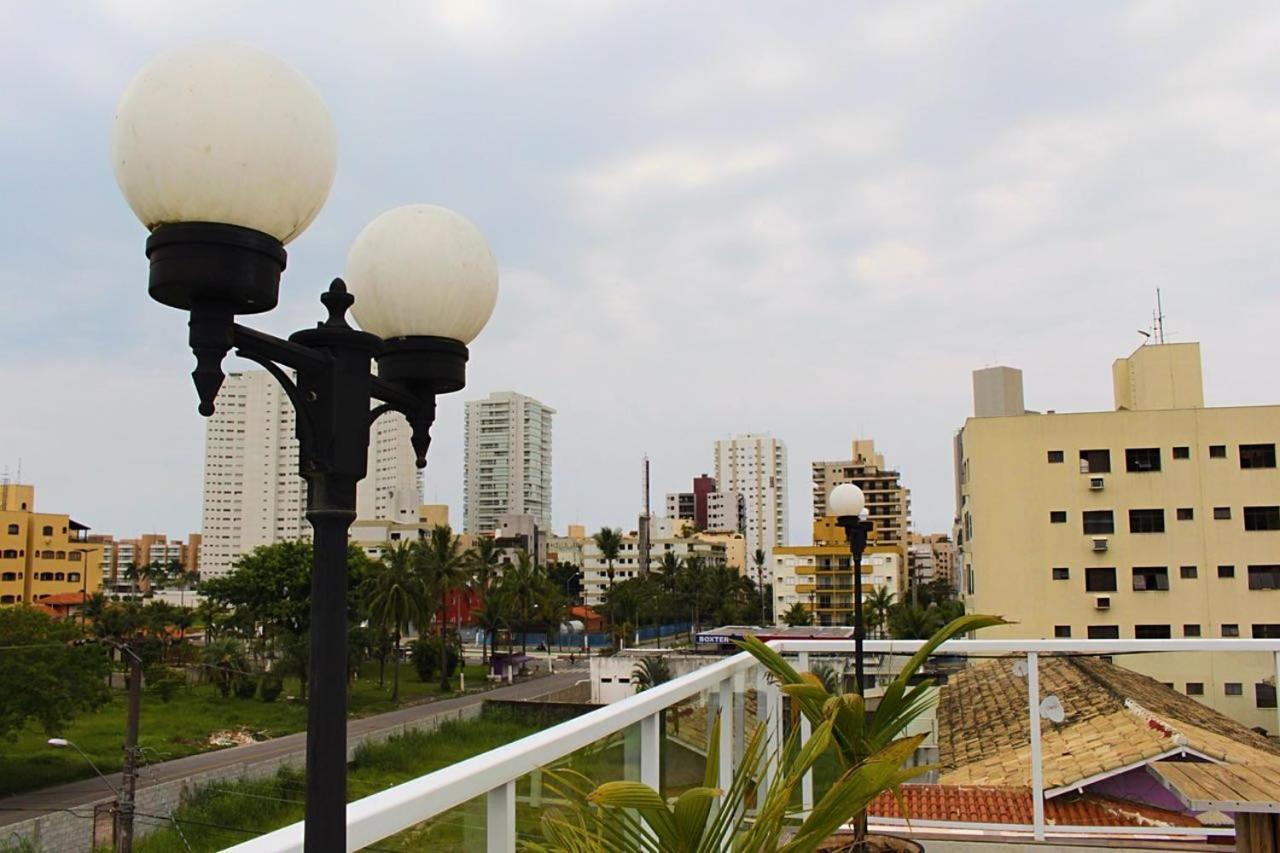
[(1051, 709), (1020, 668)]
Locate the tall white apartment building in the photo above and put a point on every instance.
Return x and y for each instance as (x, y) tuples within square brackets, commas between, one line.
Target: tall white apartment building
[(755, 466), (252, 492), (507, 461)]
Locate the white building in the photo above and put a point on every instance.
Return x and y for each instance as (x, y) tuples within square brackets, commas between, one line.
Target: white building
[(507, 461), (726, 512), (252, 492), (755, 466), (595, 570), (795, 580)]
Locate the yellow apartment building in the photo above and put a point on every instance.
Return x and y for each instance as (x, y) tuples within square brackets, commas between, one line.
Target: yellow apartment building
[(42, 554), (1160, 519), (821, 577)]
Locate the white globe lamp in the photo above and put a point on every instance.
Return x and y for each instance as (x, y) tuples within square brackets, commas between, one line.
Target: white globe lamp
[(846, 501)]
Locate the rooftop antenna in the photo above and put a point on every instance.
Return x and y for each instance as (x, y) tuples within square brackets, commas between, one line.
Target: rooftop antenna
[(1159, 325)]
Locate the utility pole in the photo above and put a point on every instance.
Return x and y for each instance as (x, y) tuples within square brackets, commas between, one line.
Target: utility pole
[(645, 521), (129, 780)]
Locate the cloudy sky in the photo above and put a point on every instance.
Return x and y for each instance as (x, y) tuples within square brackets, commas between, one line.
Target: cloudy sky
[(812, 220)]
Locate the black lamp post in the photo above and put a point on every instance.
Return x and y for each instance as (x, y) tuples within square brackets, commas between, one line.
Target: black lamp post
[(225, 154), (849, 506)]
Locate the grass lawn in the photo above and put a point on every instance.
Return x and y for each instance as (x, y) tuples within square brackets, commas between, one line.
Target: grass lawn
[(182, 726)]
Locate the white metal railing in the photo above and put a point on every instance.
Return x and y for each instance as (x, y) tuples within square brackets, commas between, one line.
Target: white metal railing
[(494, 773)]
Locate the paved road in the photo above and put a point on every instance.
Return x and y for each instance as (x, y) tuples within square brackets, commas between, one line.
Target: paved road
[(73, 794)]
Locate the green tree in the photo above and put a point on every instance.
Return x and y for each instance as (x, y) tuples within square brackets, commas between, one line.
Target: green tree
[(879, 602), (553, 610), (650, 671), (44, 677), (224, 663), (491, 618), (609, 542), (443, 568), (797, 614), (483, 559), (523, 583), (759, 560), (394, 599), (914, 623)]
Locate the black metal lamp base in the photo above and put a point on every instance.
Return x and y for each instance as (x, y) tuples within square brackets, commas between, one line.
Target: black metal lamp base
[(424, 364), (195, 263)]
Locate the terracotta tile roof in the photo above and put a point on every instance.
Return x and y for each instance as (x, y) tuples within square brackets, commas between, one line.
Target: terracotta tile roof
[(63, 598), (992, 804), (1114, 718)]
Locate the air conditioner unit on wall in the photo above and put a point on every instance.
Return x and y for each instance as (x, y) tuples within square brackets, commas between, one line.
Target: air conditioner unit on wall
[(1096, 483), (1102, 602), (1100, 543)]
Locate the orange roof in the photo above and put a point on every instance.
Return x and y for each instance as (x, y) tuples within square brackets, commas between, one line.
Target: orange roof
[(63, 598), (991, 804), (48, 611)]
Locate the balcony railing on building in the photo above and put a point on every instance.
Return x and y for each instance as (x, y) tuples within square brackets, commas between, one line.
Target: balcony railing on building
[(489, 800)]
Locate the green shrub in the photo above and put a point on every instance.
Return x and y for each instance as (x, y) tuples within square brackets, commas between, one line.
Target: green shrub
[(246, 686), (425, 653), (164, 681), (271, 688)]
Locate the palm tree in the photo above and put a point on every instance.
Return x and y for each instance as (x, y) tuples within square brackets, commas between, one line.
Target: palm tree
[(482, 560), (797, 614), (913, 623), (394, 600), (609, 541), (442, 566), (553, 610), (825, 674), (758, 559), (880, 601), (650, 671), (692, 586), (523, 582)]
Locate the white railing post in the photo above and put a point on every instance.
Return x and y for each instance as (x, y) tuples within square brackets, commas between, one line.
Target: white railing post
[(500, 832), (1037, 771), (739, 715), (727, 721), (1277, 691), (763, 719), (806, 730), (651, 751)]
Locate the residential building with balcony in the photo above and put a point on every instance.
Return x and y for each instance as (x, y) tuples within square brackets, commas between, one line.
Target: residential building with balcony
[(821, 576), (595, 570), (42, 554), (888, 501), (1158, 520), (755, 467), (930, 557), (507, 461)]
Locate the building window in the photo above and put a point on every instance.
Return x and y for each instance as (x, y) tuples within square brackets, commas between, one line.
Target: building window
[(1222, 513), (1233, 688), (1191, 630), (1095, 461), (1062, 632), (1195, 688), (1217, 451), (1230, 629), (1262, 518), (1266, 631), (73, 576), (46, 531), (1186, 513), (13, 530), (8, 576), (1100, 580), (46, 555), (1058, 516), (1264, 577), (1226, 571), (1257, 456), (1098, 521), (1104, 632), (1182, 453), (1146, 521), (1148, 578), (1056, 456), (1264, 695), (1188, 573), (10, 554), (1141, 459), (1151, 632), (1061, 573)]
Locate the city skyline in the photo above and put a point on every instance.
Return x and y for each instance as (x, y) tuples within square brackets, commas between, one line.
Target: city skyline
[(702, 226)]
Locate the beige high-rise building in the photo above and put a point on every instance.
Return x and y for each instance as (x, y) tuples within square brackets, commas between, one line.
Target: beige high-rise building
[(507, 461), (1160, 519), (888, 501), (930, 557), (755, 467), (253, 494)]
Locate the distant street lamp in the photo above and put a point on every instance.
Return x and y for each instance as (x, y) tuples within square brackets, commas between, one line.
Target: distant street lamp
[(226, 154), (849, 506), (63, 743)]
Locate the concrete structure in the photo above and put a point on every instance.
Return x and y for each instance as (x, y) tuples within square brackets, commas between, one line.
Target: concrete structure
[(374, 536), (755, 466), (735, 551), (595, 576), (1160, 519), (516, 532), (820, 576), (930, 557), (41, 553), (726, 513), (507, 461), (692, 505), (252, 492), (888, 501)]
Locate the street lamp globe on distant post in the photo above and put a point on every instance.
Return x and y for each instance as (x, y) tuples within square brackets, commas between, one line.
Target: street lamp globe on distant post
[(849, 506), (226, 154)]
